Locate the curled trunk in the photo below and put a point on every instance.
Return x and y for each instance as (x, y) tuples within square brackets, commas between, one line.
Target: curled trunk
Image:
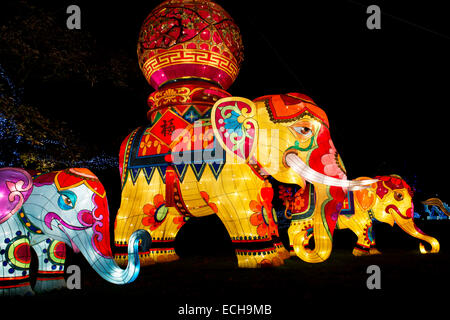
[(410, 228), (323, 242), (107, 268), (329, 194)]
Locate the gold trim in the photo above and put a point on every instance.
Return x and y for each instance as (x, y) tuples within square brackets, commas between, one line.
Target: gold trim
[(190, 56), (79, 183), (172, 95)]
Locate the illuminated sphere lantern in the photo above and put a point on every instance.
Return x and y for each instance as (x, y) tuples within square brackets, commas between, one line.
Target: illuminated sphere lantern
[(205, 152), (190, 52), (194, 39)]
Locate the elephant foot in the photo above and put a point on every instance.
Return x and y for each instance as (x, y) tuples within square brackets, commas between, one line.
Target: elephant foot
[(47, 285), (161, 250), (149, 258), (282, 252), (358, 252), (144, 258), (19, 290), (374, 251), (161, 256), (259, 259)]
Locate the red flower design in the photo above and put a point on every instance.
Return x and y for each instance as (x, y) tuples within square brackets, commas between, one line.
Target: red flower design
[(205, 197), (156, 212), (180, 221), (298, 201), (285, 193), (257, 219)]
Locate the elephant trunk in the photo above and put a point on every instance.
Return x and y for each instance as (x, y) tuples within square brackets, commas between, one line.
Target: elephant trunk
[(107, 268), (323, 243), (323, 227), (410, 228), (330, 192)]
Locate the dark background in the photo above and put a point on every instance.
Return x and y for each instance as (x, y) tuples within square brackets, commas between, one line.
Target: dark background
[(386, 95), (385, 91)]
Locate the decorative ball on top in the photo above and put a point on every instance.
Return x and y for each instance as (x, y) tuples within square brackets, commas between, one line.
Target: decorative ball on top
[(190, 39)]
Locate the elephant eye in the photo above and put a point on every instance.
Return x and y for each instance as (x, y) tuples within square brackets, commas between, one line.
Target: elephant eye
[(304, 131), (67, 200), (398, 196)]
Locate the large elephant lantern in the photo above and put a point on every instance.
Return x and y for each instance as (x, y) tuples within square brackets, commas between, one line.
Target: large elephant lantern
[(219, 164), (45, 213)]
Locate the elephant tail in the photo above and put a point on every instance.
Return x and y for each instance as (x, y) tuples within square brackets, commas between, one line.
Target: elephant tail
[(438, 203)]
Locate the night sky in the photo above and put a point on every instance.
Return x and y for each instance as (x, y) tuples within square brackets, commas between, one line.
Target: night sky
[(386, 96), (385, 91)]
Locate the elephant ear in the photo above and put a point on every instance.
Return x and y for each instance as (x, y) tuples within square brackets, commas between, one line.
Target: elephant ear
[(235, 126), (15, 188), (365, 198)]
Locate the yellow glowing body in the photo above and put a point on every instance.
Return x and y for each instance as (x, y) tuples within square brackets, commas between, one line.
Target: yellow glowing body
[(300, 232), (231, 193), (360, 223), (255, 136), (388, 201), (390, 205)]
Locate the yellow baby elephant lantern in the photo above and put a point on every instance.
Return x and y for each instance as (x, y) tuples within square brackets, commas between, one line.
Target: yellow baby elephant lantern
[(389, 201)]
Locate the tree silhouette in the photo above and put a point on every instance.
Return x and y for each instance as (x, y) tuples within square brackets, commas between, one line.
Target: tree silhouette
[(35, 48)]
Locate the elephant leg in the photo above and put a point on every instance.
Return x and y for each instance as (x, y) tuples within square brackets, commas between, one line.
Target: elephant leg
[(163, 234), (364, 242), (142, 207), (51, 258), (248, 230), (361, 225), (15, 258), (163, 237), (373, 249), (282, 252), (275, 235)]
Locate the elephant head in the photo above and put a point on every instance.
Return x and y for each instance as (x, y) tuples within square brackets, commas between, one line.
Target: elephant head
[(390, 201), (287, 136), (71, 206)]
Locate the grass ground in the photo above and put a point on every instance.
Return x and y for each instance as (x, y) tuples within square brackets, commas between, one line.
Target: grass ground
[(408, 280)]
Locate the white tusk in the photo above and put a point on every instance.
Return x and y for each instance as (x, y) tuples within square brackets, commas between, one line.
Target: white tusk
[(309, 174)]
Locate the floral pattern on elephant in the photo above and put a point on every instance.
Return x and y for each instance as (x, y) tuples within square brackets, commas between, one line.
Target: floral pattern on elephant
[(180, 221), (156, 212), (259, 218)]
